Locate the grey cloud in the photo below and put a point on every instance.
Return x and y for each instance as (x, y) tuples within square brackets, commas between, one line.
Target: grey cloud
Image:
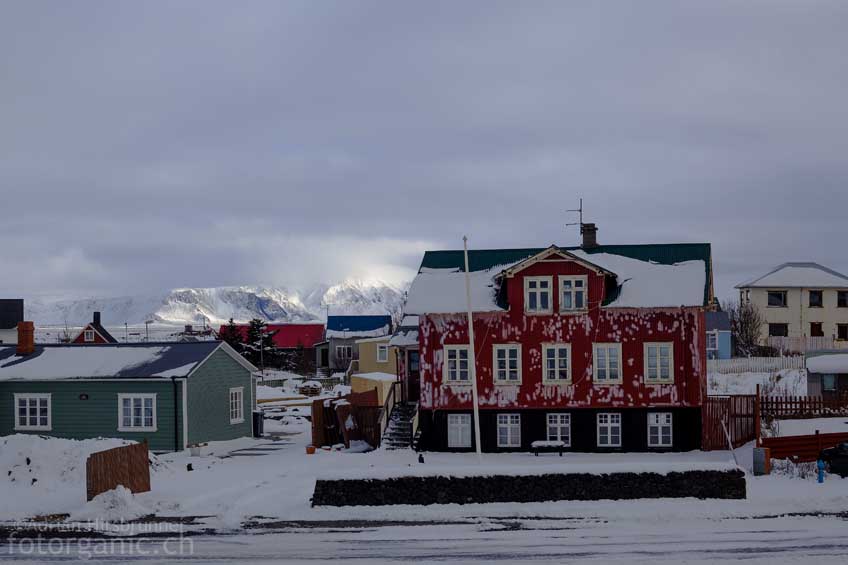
[(208, 143)]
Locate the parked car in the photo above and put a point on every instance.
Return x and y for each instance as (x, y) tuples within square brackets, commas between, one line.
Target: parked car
[(836, 459)]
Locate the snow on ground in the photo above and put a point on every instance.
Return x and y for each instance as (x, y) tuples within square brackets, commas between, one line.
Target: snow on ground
[(40, 475), (275, 479), (788, 382), (809, 426)]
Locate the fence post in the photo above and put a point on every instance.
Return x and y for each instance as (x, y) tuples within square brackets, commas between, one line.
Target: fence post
[(757, 417), (818, 443)]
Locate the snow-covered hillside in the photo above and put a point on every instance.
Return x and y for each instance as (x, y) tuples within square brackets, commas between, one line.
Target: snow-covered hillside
[(217, 305)]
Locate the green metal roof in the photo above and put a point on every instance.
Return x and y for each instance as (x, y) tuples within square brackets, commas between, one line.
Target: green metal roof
[(662, 253)]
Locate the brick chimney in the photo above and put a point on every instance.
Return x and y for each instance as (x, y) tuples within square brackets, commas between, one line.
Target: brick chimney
[(26, 338), (590, 235), (97, 318)]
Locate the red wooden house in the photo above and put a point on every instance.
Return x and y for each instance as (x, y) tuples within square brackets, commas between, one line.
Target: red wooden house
[(94, 333), (600, 347)]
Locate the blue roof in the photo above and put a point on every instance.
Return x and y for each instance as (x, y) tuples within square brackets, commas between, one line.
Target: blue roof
[(357, 323), (717, 321)]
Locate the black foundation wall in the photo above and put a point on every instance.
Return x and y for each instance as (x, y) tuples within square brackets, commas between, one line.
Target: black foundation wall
[(532, 488)]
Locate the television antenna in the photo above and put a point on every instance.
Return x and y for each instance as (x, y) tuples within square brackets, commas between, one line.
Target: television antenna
[(579, 211)]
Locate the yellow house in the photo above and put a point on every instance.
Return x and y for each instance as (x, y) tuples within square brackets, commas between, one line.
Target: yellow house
[(377, 356)]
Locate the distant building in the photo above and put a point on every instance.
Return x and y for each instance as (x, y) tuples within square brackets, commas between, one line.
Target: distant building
[(718, 335), (94, 333), (11, 312), (339, 347), (805, 306), (295, 344)]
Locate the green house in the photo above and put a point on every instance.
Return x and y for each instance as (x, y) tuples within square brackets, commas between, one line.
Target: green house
[(173, 395)]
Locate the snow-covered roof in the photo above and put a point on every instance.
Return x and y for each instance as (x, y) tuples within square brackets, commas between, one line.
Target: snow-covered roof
[(799, 275), (407, 333), (642, 283), (358, 326), (377, 376), (828, 363), (55, 362)]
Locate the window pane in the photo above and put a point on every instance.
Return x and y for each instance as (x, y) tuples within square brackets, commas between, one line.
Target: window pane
[(543, 300), (578, 299), (566, 301)]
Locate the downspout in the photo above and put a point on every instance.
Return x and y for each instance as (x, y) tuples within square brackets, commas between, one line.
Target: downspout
[(176, 413)]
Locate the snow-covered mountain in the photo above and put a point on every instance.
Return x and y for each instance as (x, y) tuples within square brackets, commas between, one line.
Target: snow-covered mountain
[(217, 305)]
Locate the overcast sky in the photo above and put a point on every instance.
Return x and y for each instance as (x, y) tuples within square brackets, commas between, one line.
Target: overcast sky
[(148, 145)]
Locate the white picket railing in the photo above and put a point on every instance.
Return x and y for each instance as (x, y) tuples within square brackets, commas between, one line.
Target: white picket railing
[(806, 343), (754, 364)]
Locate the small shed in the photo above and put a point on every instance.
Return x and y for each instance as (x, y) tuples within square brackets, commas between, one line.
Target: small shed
[(827, 374)]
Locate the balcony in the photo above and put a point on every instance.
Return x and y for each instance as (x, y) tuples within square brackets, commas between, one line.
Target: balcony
[(805, 344)]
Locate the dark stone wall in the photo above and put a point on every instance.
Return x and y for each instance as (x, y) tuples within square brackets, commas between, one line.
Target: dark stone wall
[(531, 488), (686, 431)]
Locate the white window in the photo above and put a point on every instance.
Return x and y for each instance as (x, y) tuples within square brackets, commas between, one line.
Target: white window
[(33, 412), (509, 430), (382, 353), (609, 430), (572, 293), (456, 369), (556, 359), (659, 429), (136, 412), (88, 335), (459, 430), (344, 352), (237, 405), (507, 364), (607, 365), (537, 294), (712, 341), (559, 428), (659, 362)]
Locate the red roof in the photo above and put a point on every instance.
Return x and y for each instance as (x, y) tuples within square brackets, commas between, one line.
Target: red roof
[(288, 336)]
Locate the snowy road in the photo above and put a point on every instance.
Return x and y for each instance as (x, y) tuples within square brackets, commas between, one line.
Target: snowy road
[(752, 540)]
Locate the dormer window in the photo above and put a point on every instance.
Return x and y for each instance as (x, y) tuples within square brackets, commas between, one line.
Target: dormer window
[(572, 293), (537, 295), (88, 336)]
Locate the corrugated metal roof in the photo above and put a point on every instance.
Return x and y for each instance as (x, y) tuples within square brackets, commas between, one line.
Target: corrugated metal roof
[(717, 321), (11, 312), (357, 323)]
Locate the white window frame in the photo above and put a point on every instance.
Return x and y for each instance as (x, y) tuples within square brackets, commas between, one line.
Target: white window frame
[(556, 347), (236, 416), (382, 348), (573, 292), (712, 335), (559, 421), (608, 421), (38, 397), (528, 291), (339, 356), (658, 379), (446, 373), (661, 420), (595, 364), (88, 336), (512, 424), (496, 370), (131, 428), (459, 431)]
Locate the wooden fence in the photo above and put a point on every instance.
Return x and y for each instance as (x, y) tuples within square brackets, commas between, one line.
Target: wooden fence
[(128, 466), (794, 407), (802, 448), (739, 415), (330, 415), (754, 364)]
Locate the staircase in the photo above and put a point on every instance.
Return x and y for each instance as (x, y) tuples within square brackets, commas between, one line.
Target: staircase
[(398, 434)]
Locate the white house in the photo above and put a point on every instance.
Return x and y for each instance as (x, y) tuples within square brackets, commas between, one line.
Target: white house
[(805, 304)]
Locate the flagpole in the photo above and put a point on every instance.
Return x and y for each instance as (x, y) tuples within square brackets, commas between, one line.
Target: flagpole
[(472, 363)]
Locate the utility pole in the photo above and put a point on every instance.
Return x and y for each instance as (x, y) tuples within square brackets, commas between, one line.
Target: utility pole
[(472, 363)]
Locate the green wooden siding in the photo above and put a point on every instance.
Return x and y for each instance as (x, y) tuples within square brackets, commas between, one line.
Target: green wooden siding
[(97, 416), (209, 400)]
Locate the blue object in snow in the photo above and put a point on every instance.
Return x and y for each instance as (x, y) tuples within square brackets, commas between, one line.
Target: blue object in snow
[(820, 465)]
